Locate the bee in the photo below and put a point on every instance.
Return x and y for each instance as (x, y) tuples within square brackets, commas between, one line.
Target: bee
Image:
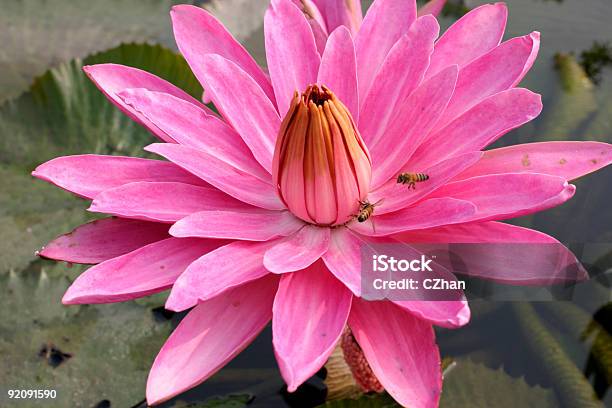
[(411, 179), (366, 210)]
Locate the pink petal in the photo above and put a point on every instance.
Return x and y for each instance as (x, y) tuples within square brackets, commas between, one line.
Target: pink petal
[(338, 70), (449, 310), (400, 74), (254, 225), (443, 313), (503, 196), (343, 258), (218, 271), (310, 311), (315, 19), (480, 126), (341, 12), (569, 160), (508, 254), (88, 175), (500, 69), (473, 35), (198, 33), (221, 174), (428, 213), (445, 309), (384, 24), (401, 350), (488, 232), (291, 51), (433, 7), (298, 251), (208, 337), (191, 126), (103, 239), (243, 104), (397, 196), (147, 270), (412, 122), (163, 202), (113, 78)]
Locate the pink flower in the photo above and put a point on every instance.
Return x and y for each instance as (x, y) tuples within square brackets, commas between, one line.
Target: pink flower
[(270, 187)]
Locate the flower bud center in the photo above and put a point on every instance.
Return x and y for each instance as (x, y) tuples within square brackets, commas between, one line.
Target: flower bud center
[(322, 168), (316, 95)]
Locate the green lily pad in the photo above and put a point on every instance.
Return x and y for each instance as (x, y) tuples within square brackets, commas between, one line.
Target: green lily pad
[(85, 353), (474, 385), (228, 401), (64, 113), (39, 34), (31, 214), (383, 400), (469, 384)]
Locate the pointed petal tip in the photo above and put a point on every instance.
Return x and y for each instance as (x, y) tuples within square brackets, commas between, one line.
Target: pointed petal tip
[(69, 302), (288, 373), (71, 298), (93, 207), (463, 317), (285, 370), (91, 70), (40, 172), (176, 230), (37, 173), (43, 253), (178, 8), (156, 393), (500, 5), (179, 304), (153, 147)]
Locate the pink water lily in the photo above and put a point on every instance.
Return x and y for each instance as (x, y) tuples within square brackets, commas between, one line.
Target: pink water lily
[(252, 216)]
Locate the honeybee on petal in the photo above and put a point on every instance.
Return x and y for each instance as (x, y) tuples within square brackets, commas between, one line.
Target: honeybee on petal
[(366, 210), (411, 179)]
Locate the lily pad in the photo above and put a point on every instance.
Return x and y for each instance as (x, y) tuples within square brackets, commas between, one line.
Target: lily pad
[(39, 34), (31, 214), (64, 113), (383, 400), (228, 401), (470, 384), (474, 385), (85, 353)]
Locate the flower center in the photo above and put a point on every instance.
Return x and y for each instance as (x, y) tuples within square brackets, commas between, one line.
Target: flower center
[(322, 168), (317, 95)]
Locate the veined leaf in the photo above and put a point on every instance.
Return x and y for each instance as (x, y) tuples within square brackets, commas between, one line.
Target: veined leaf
[(474, 385), (64, 113), (39, 34), (85, 353)]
